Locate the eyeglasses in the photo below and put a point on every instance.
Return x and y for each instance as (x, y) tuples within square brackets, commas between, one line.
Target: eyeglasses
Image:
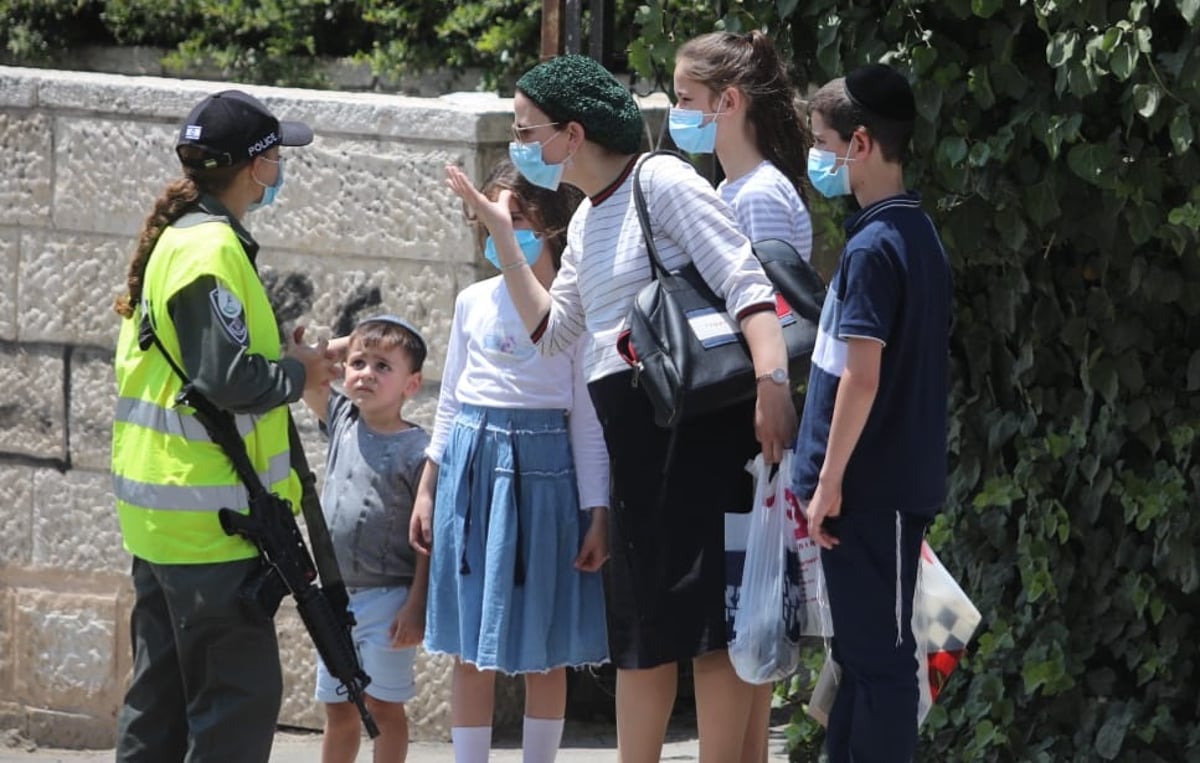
[(517, 130)]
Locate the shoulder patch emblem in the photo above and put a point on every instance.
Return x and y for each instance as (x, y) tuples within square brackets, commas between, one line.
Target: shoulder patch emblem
[(229, 312)]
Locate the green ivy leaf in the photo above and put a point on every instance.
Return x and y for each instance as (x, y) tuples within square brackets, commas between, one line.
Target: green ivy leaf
[(980, 86), (1190, 9), (1111, 736), (1094, 162), (952, 150), (786, 7), (986, 8), (1123, 61), (1082, 77), (1187, 216), (929, 99), (1061, 48), (1144, 35), (923, 59), (1042, 202), (979, 154), (1145, 99), (1182, 132)]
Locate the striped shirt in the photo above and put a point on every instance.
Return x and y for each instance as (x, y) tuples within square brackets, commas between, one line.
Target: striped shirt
[(605, 263), (766, 205)]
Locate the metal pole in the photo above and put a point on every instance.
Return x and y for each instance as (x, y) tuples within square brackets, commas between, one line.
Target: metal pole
[(552, 42), (571, 26), (600, 47)]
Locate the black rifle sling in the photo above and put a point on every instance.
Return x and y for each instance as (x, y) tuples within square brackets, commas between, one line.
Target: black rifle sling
[(314, 519)]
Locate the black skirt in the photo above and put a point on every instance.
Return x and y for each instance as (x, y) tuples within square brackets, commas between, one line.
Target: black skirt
[(666, 576)]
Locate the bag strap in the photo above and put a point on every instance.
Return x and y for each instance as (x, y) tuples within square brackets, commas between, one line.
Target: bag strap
[(657, 267)]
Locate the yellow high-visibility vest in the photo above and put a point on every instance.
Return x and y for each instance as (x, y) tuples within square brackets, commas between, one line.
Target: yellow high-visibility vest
[(169, 479)]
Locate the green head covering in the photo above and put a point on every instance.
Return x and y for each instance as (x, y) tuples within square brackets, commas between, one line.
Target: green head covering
[(578, 89)]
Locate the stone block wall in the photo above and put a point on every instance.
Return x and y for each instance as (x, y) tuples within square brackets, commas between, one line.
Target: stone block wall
[(364, 224)]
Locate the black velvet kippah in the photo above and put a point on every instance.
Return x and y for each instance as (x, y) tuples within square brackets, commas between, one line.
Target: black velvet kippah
[(883, 91), (578, 89)]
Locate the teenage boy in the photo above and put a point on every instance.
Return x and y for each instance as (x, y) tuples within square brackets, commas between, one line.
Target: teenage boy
[(871, 448)]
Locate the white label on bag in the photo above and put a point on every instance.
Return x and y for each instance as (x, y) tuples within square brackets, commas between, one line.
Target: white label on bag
[(713, 328)]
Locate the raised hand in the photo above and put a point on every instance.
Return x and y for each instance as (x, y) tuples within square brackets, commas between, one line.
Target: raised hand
[(495, 215)]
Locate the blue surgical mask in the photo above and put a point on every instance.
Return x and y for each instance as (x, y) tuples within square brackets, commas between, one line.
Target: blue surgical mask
[(530, 243), (828, 181), (689, 131), (527, 157), (269, 191)]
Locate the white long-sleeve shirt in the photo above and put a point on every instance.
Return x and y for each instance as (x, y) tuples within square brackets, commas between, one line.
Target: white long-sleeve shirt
[(605, 263), (492, 362), (767, 205)]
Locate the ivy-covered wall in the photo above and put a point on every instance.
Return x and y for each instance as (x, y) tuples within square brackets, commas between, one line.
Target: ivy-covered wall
[(1056, 149)]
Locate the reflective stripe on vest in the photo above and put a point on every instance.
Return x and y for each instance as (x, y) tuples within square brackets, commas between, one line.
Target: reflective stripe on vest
[(196, 497), (170, 421)]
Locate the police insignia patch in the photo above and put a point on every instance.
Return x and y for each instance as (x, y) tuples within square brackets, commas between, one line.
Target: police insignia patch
[(228, 309)]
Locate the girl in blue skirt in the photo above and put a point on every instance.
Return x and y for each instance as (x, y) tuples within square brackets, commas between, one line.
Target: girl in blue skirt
[(512, 505)]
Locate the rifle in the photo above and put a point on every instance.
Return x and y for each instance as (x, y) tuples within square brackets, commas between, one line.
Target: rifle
[(289, 568)]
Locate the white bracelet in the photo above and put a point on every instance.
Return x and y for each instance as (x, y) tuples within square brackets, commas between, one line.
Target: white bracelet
[(513, 266)]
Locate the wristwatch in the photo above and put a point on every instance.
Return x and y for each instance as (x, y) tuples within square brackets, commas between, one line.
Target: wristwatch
[(778, 375)]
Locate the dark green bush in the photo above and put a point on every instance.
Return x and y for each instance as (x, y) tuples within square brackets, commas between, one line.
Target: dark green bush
[(282, 42)]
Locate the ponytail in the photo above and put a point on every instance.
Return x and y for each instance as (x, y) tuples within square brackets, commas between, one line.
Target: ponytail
[(176, 199), (169, 207)]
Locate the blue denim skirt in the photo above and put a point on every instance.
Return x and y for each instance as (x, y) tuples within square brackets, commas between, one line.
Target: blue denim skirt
[(503, 590)]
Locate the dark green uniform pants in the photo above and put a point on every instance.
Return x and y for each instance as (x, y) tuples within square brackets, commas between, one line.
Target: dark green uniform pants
[(206, 684)]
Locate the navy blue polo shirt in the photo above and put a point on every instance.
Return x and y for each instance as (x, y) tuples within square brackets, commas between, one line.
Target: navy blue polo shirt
[(893, 285)]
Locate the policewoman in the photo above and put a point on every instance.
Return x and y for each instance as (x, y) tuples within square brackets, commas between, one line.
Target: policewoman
[(206, 682)]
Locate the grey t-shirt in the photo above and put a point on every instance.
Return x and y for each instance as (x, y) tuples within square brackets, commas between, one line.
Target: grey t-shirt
[(370, 483)]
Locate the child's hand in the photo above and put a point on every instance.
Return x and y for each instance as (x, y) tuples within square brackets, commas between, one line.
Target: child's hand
[(409, 626), (594, 551), (335, 352), (420, 527), (495, 215), (319, 369)]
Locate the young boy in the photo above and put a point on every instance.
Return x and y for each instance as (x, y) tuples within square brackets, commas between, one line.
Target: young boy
[(871, 449), (371, 475)]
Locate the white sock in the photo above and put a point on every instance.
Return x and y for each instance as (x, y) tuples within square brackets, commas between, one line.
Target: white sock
[(471, 743), (541, 739)]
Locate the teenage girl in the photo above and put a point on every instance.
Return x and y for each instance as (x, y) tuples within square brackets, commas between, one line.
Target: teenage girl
[(734, 99), (513, 503)]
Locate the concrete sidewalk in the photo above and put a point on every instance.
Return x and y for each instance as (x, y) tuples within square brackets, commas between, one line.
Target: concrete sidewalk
[(582, 743)]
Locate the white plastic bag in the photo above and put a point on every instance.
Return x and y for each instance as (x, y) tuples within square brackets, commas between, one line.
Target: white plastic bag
[(809, 602), (762, 649), (944, 619)]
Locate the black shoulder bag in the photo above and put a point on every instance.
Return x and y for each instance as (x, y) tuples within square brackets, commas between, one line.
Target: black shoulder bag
[(688, 353)]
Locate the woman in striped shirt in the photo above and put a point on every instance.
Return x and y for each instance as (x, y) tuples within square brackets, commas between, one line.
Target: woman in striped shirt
[(576, 124)]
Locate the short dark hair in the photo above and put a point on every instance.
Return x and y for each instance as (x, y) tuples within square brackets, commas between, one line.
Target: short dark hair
[(387, 335), (843, 115)]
